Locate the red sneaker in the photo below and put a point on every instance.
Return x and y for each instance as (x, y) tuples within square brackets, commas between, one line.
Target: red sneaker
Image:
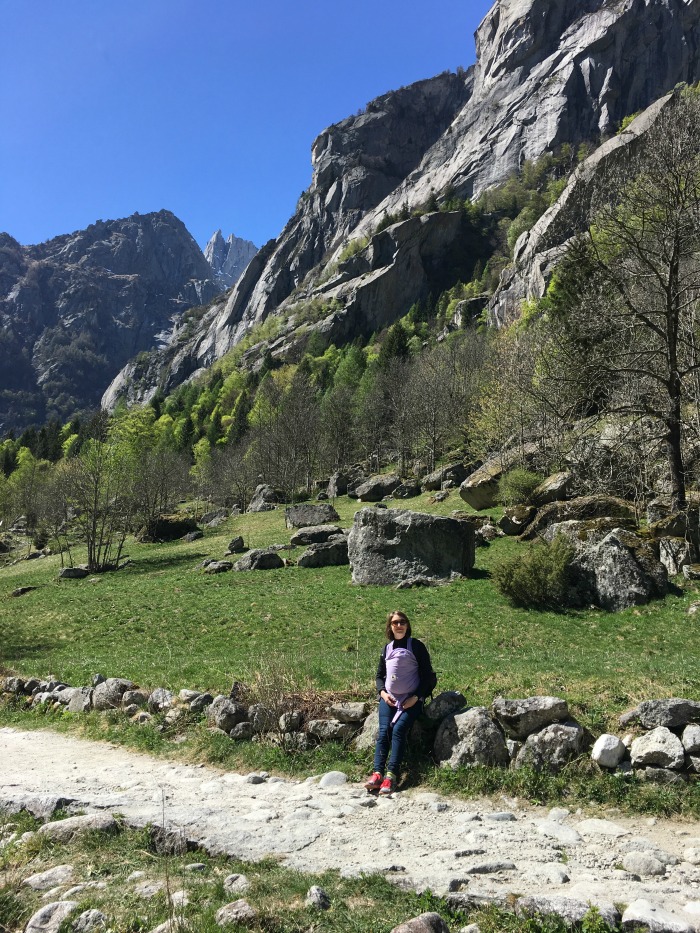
[(387, 787), (374, 782)]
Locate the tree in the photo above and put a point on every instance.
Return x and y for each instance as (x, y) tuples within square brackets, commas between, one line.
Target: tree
[(624, 303)]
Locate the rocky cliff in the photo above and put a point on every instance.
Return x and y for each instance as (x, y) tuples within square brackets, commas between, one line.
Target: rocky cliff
[(74, 309), (228, 258), (546, 73)]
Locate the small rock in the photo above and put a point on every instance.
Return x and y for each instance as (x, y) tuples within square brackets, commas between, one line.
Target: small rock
[(45, 880), (317, 898), (238, 911), (608, 751), (50, 917), (425, 923), (90, 920), (333, 779), (236, 884)]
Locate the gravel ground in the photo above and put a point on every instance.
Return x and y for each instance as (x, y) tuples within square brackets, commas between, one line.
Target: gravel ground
[(475, 849)]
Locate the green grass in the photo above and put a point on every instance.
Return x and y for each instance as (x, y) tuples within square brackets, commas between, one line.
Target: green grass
[(162, 622), (364, 905)]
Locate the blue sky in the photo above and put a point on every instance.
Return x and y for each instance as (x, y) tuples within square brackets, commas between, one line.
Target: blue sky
[(205, 107)]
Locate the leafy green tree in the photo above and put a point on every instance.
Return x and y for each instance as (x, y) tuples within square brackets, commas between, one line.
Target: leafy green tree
[(623, 306)]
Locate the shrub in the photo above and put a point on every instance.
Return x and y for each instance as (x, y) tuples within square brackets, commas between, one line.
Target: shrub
[(517, 485), (540, 578)]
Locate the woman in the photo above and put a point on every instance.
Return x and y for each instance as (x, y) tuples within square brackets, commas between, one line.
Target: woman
[(404, 678)]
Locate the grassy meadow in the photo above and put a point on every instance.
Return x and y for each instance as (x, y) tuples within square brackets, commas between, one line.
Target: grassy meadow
[(161, 621)]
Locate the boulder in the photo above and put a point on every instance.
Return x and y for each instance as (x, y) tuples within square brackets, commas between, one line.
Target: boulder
[(81, 701), (444, 704), (608, 751), (214, 516), (644, 915), (49, 918), (264, 499), (193, 536), (376, 488), (520, 718), (305, 514), (406, 490), (370, 730), (236, 545), (225, 713), (583, 508), (470, 738), (387, 546), (108, 695), (65, 830), (480, 488), (160, 700), (691, 740), (238, 912), (674, 713), (551, 748), (553, 489), (73, 573), (515, 519), (137, 698), (338, 484), (259, 559), (333, 553), (291, 721), (424, 923), (242, 732), (659, 748), (218, 566), (453, 473), (349, 712), (674, 554), (330, 730), (314, 534), (568, 909), (613, 569)]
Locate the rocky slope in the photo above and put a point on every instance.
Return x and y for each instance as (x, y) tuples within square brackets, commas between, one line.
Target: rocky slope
[(74, 309), (545, 74), (229, 257)]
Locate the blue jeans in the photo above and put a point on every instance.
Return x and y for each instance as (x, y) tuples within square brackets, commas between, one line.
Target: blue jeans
[(393, 737)]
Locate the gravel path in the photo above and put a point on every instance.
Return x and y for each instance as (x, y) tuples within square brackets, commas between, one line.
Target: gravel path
[(476, 849)]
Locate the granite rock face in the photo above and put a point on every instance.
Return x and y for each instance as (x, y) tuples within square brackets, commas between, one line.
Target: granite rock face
[(229, 257), (545, 74), (75, 309)]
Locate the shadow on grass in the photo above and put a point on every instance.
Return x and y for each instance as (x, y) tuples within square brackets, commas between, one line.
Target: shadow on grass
[(148, 563)]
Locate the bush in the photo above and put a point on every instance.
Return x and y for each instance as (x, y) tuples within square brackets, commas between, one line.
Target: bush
[(517, 485), (540, 578)]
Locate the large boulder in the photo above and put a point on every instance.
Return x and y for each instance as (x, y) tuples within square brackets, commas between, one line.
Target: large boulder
[(225, 713), (452, 474), (520, 718), (515, 519), (583, 508), (553, 489), (611, 568), (306, 514), (480, 488), (259, 559), (388, 546), (675, 554), (333, 553), (470, 738), (552, 748), (376, 488), (264, 499), (314, 534)]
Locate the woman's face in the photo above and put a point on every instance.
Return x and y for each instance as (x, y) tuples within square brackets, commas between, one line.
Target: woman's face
[(398, 627)]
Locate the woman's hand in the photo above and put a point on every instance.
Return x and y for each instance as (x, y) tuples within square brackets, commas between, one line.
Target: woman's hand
[(388, 698)]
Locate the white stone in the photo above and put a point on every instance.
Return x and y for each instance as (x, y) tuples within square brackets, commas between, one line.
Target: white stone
[(692, 855), (643, 863), (50, 917), (45, 880), (642, 912), (658, 748), (608, 751), (601, 828), (691, 739), (333, 779)]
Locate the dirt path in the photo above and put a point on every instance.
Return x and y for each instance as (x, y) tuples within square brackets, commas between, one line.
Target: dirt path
[(477, 848)]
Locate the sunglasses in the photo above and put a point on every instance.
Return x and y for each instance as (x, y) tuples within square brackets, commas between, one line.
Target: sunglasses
[(399, 623)]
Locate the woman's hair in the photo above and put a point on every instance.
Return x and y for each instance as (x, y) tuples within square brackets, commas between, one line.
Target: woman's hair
[(402, 615)]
